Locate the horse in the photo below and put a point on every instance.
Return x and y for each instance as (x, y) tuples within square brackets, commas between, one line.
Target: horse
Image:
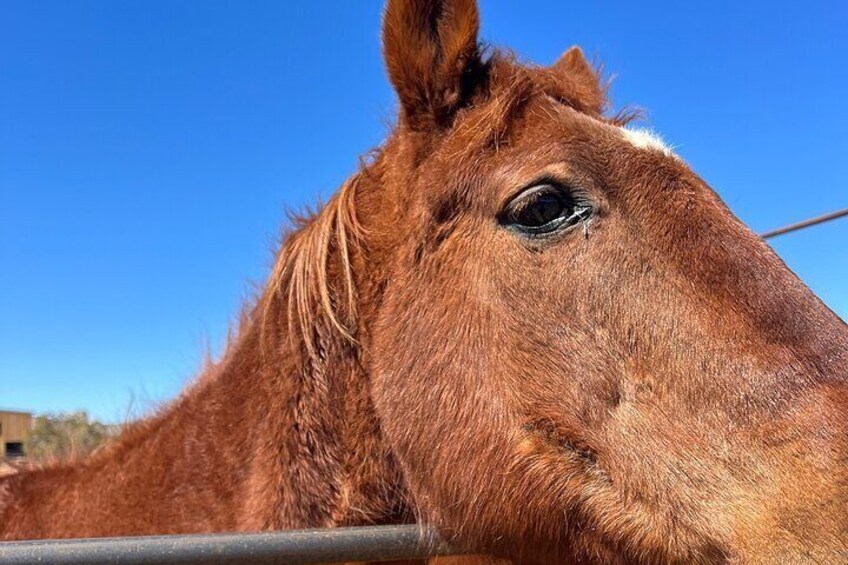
[(523, 322)]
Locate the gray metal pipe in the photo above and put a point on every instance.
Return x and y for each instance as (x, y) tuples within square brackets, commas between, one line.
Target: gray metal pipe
[(805, 224), (296, 547)]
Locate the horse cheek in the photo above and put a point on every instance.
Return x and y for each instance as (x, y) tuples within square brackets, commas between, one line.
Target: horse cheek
[(449, 431)]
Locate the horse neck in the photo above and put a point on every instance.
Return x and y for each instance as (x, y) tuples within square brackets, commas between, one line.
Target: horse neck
[(177, 471), (280, 433)]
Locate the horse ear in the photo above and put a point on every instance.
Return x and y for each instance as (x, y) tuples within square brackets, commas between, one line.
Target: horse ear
[(432, 56), (583, 79)]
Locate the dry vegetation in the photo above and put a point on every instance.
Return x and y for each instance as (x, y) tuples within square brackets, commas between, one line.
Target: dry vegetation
[(60, 436)]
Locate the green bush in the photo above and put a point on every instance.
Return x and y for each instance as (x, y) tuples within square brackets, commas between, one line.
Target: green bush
[(65, 435)]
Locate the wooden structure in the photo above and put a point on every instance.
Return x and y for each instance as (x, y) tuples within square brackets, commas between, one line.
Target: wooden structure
[(14, 433)]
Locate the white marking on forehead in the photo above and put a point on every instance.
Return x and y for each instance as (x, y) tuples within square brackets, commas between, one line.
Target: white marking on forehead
[(646, 139)]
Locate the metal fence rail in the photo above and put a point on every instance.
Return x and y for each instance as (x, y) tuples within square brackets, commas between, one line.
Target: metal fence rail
[(297, 547), (805, 224)]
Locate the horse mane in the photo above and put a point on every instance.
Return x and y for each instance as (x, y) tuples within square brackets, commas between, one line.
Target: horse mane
[(313, 274)]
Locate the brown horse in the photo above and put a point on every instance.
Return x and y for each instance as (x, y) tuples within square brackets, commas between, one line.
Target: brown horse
[(521, 322)]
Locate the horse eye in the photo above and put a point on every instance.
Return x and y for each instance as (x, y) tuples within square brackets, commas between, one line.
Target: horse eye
[(542, 209)]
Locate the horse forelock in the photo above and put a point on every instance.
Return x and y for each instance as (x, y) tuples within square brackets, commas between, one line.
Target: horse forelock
[(511, 85)]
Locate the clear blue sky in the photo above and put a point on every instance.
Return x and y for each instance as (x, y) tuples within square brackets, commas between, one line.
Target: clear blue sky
[(148, 150)]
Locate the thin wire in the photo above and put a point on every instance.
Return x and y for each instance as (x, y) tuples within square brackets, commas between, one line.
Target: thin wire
[(805, 224)]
